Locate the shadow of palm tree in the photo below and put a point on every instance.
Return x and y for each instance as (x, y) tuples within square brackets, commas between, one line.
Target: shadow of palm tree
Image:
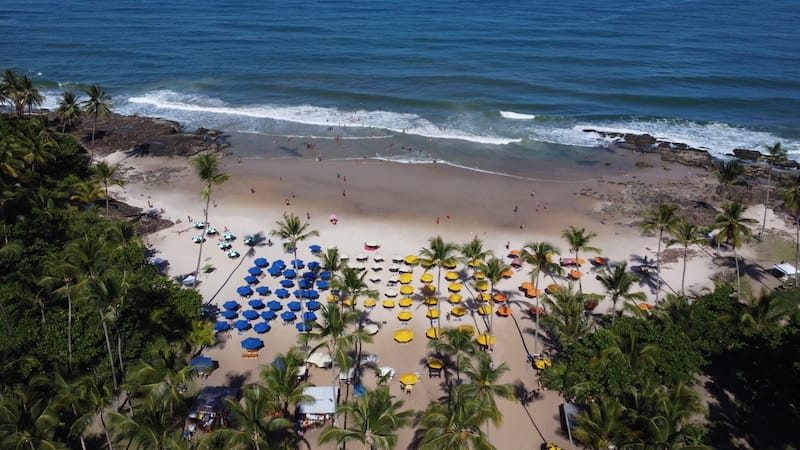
[(248, 254)]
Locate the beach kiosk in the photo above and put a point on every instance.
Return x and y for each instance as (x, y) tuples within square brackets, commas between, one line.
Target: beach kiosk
[(208, 411), (321, 410)]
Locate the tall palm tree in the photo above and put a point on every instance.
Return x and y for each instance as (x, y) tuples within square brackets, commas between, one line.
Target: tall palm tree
[(473, 252), (98, 105), (618, 284), (775, 152), (578, 240), (728, 173), (163, 377), (602, 424), (566, 319), (452, 424), (484, 386), (734, 230), (331, 260), (206, 166), (351, 285), (86, 192), (30, 95), (767, 311), (332, 331), (538, 255), (662, 218), (454, 342), (152, 428), (282, 382), (791, 198), (28, 420), (375, 418), (686, 234), (34, 147), (667, 426), (69, 110), (106, 175), (292, 230), (437, 254), (493, 268)]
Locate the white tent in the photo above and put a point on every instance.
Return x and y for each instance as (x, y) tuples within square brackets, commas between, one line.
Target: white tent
[(323, 406), (785, 269)]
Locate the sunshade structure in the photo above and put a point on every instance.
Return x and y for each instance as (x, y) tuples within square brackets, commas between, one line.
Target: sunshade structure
[(479, 276), (262, 290), (288, 316), (405, 316), (452, 276), (433, 333), (211, 231), (309, 316), (411, 259), (361, 257), (482, 286), (484, 297), (303, 327), (508, 273), (432, 314), (458, 311), (333, 298), (256, 303), (252, 343), (320, 359), (371, 328), (322, 284), (450, 264), (231, 305), (517, 263), (290, 274), (269, 315), (281, 293), (485, 310), (486, 339), (404, 335), (369, 303), (468, 329), (405, 302), (297, 263), (294, 306), (388, 303), (575, 274), (499, 297), (409, 379), (221, 326), (431, 301), (504, 311), (536, 310), (202, 364), (378, 258), (314, 248), (406, 290), (454, 298), (454, 287), (255, 270), (287, 284), (250, 279), (244, 291), (552, 289), (391, 293), (229, 314), (406, 278), (274, 305), (261, 262), (643, 306), (261, 327), (426, 277), (372, 245), (542, 363), (197, 239), (599, 261), (435, 363), (314, 305), (514, 254), (241, 324), (250, 314), (428, 289), (325, 275), (531, 293)]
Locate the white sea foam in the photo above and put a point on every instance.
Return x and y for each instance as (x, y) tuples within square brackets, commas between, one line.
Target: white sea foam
[(516, 116)]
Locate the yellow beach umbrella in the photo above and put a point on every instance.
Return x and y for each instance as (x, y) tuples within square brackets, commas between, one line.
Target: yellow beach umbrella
[(450, 264), (482, 286), (369, 303), (406, 278), (405, 302), (431, 301), (426, 263), (454, 298), (434, 333), (475, 263), (486, 339), (458, 311), (409, 379), (552, 289), (480, 276), (451, 276), (543, 363), (435, 363), (411, 259), (485, 310), (405, 316), (484, 297), (454, 287), (388, 303), (333, 298), (406, 290), (469, 329), (426, 277), (348, 302), (432, 314), (403, 336)]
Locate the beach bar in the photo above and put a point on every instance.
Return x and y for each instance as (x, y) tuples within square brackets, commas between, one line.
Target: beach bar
[(209, 411), (321, 410)]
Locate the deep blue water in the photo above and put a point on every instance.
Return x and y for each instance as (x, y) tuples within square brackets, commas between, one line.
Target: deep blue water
[(512, 75)]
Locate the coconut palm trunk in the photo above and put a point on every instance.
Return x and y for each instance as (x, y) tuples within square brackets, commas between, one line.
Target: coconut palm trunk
[(202, 241), (108, 347)]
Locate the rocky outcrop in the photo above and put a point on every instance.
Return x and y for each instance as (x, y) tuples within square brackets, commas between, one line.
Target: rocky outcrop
[(747, 155), (669, 151)]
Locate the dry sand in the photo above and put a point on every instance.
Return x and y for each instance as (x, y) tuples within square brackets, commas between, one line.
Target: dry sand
[(400, 206)]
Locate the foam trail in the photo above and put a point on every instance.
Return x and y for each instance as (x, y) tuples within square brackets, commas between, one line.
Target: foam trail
[(516, 116)]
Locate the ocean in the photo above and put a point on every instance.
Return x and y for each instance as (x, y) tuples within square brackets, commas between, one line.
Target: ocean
[(465, 82)]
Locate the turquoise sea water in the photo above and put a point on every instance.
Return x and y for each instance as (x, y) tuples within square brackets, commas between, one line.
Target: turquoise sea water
[(471, 78)]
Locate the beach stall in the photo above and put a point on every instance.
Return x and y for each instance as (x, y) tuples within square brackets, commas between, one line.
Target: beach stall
[(321, 409), (208, 411)]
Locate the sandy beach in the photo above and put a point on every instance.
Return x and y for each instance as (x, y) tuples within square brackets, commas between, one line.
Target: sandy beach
[(401, 206)]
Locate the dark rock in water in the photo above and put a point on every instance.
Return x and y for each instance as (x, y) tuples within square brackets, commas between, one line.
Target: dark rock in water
[(747, 155)]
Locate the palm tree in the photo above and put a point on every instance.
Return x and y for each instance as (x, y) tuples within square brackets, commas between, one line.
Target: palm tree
[(775, 152), (566, 319), (539, 255), (30, 95), (86, 192), (452, 424), (791, 198), (767, 311), (578, 239), (332, 331), (438, 253), (351, 285), (162, 378), (375, 418), (151, 428), (106, 175), (484, 386), (618, 284), (331, 260), (686, 234), (662, 218), (734, 230), (35, 146), (454, 342), (668, 425), (493, 268), (282, 382), (728, 173), (206, 166), (293, 230), (96, 106), (28, 420), (602, 424), (473, 252), (13, 90), (68, 110)]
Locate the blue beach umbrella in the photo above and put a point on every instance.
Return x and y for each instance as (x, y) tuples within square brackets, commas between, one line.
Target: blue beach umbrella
[(309, 316), (315, 248), (289, 273), (288, 316), (255, 270), (244, 291), (297, 263), (297, 293), (241, 324), (231, 305), (322, 284), (312, 294), (275, 271), (250, 279), (268, 315), (261, 327), (287, 283), (279, 263), (221, 326), (252, 343), (313, 305), (281, 293), (262, 290), (304, 284), (303, 327), (229, 314), (250, 314), (202, 363), (274, 305), (325, 275), (256, 303), (359, 390), (293, 306), (311, 276), (313, 265), (261, 262)]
